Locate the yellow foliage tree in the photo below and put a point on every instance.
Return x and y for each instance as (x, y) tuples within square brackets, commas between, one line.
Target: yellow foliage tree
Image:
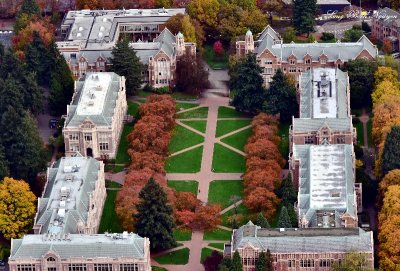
[(205, 11), (385, 73), (17, 208), (385, 87), (188, 29), (391, 178), (389, 230), (386, 114)]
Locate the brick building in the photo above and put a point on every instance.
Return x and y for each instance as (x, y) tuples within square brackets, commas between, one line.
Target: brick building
[(300, 249), (386, 25), (73, 197), (90, 35), (294, 58), (94, 121)]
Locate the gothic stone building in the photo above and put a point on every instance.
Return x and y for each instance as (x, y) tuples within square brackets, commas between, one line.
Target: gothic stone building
[(294, 58), (386, 25), (94, 121), (90, 35), (73, 197), (300, 249), (80, 252)]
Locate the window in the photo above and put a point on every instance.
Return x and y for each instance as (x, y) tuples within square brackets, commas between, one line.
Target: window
[(51, 268), (268, 70), (292, 69), (128, 267), (51, 259), (340, 140), (25, 267), (77, 267), (292, 61), (308, 61), (102, 267), (73, 56), (325, 263), (88, 137), (323, 60), (306, 263), (74, 147), (291, 263), (309, 140), (103, 146), (74, 136), (268, 61)]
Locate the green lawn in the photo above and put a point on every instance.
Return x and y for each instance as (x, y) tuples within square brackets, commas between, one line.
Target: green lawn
[(217, 234), (226, 126), (214, 61), (187, 162), (178, 257), (113, 168), (122, 154), (284, 144), (360, 132), (184, 186), (156, 268), (183, 234), (183, 106), (242, 216), (238, 140), (220, 192), (226, 160), (199, 125), (133, 108), (206, 252), (111, 184), (183, 138), (217, 245), (201, 113), (109, 220), (227, 112)]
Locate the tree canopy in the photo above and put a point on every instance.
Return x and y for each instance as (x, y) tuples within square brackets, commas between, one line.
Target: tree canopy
[(304, 12), (236, 264), (17, 208), (284, 219), (191, 74), (391, 151), (126, 63)]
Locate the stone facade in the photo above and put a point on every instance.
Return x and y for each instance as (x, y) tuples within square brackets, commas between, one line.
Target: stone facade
[(300, 249), (94, 121), (294, 59), (89, 49), (95, 252), (73, 197), (386, 25)]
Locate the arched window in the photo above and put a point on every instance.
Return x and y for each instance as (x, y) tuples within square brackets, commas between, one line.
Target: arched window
[(162, 62), (51, 259)]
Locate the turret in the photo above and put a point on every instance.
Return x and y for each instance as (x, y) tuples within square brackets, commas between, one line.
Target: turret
[(180, 44), (249, 42)]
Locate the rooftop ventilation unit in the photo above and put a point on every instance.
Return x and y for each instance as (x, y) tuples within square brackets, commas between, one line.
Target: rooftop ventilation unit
[(90, 103), (61, 213), (102, 27), (67, 169), (79, 35), (62, 203)]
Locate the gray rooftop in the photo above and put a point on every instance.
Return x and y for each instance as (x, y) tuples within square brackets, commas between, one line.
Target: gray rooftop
[(344, 51), (388, 16), (95, 98), (326, 182), (79, 245), (303, 240), (65, 199)]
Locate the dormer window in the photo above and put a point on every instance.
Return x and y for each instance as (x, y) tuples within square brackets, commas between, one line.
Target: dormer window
[(292, 61), (308, 61), (323, 60)]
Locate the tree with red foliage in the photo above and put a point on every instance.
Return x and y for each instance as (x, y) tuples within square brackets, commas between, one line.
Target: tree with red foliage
[(185, 217), (147, 160), (186, 201), (264, 149), (262, 200), (261, 178), (207, 217), (218, 48), (255, 163), (387, 47)]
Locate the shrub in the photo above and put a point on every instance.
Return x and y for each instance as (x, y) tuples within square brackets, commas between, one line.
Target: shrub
[(327, 36), (162, 90)]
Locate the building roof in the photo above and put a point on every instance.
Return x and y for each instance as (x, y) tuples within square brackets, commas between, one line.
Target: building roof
[(79, 245), (66, 196), (344, 51), (94, 99), (388, 16), (302, 240), (326, 182), (324, 94)]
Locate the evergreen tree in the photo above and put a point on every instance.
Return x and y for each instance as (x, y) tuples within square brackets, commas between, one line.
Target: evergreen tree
[(212, 262), (281, 97), (2, 52), (154, 217), (126, 63), (11, 95), (284, 219), (3, 163), (29, 7), (391, 151), (33, 96), (287, 192), (261, 262), (236, 262), (293, 215), (225, 264), (35, 60), (304, 12), (269, 260), (246, 84), (262, 221)]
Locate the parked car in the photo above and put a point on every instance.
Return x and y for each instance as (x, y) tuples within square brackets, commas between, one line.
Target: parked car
[(396, 55)]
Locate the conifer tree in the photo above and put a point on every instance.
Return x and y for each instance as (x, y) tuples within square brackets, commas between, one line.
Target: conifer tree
[(35, 59), (29, 7), (269, 260), (262, 221), (154, 217), (304, 15), (287, 192), (284, 219), (391, 151), (292, 214), (236, 262), (246, 84), (3, 163), (261, 262), (126, 63)]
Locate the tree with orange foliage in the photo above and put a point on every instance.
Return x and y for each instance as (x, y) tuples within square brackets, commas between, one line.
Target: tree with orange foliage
[(125, 205), (87, 4), (160, 105), (386, 114), (264, 149), (391, 178), (207, 217), (387, 47), (263, 200), (186, 201), (147, 160), (261, 178), (185, 217), (255, 163)]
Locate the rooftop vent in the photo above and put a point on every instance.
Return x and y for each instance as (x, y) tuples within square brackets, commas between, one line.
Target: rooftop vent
[(90, 103), (104, 21), (100, 35), (79, 35), (80, 28), (61, 213), (102, 27), (62, 203), (68, 169)]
